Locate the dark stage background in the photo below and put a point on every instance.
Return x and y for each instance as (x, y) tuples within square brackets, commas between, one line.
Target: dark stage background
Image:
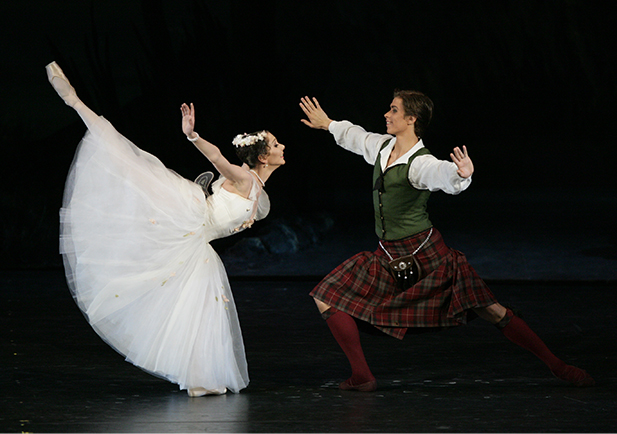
[(529, 87)]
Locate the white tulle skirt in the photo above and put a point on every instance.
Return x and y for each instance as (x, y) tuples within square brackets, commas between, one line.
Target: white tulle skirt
[(139, 265)]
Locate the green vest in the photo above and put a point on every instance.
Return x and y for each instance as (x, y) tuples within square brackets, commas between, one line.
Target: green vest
[(400, 208)]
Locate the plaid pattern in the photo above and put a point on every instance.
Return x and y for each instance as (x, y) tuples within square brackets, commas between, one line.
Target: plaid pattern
[(363, 287)]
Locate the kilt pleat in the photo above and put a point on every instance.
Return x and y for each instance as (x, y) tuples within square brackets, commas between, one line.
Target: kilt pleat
[(364, 288)]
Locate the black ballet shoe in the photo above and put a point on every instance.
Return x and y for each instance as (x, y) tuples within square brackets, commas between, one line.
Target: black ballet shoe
[(577, 376), (369, 386), (61, 84), (204, 181)]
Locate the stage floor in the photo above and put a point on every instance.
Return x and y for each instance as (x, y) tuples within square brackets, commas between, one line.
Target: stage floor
[(59, 376)]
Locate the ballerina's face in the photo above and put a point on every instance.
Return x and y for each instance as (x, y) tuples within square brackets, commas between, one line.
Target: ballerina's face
[(276, 155)]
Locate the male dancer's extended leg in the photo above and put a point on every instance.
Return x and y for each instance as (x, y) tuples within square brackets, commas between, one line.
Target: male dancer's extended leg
[(517, 330)]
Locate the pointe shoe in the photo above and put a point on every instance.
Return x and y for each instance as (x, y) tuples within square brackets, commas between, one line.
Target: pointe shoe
[(59, 82), (369, 386), (577, 376), (201, 391)]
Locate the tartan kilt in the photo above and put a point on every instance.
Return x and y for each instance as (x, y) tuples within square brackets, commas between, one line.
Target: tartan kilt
[(364, 288)]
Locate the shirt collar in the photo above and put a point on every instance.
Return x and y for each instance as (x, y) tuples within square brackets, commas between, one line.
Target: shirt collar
[(403, 159)]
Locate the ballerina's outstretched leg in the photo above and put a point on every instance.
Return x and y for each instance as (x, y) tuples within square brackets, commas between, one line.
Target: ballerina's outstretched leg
[(61, 84)]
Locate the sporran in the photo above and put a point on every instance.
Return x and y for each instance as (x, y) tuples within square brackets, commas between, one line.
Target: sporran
[(406, 269)]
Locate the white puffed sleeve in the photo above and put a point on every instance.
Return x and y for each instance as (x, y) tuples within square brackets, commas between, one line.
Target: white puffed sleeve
[(263, 206), (357, 140), (428, 173)]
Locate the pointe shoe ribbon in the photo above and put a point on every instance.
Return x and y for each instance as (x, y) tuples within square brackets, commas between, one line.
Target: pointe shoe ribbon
[(59, 82)]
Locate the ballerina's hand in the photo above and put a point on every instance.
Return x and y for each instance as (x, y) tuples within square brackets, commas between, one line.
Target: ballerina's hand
[(188, 119), (463, 162), (317, 118)]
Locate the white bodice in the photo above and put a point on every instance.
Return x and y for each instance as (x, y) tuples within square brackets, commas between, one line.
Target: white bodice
[(228, 213)]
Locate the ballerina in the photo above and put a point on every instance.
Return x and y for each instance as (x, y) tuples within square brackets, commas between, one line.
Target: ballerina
[(135, 236)]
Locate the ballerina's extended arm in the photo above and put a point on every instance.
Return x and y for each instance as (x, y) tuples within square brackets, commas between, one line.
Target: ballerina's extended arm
[(240, 177)]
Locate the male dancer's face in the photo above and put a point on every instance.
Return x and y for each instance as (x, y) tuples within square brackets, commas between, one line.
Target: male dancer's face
[(396, 120)]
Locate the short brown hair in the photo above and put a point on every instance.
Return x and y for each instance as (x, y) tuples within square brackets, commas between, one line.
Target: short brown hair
[(418, 105)]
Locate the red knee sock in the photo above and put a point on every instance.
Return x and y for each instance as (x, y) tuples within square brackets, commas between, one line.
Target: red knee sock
[(519, 332), (346, 333)]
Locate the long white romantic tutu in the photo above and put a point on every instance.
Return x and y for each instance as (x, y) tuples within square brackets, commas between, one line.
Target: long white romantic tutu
[(134, 237)]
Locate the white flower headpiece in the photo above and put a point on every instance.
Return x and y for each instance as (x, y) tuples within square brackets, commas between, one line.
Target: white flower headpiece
[(242, 140)]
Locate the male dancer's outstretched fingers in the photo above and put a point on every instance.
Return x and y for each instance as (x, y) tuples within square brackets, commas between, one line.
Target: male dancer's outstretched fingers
[(317, 117), (462, 161)]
